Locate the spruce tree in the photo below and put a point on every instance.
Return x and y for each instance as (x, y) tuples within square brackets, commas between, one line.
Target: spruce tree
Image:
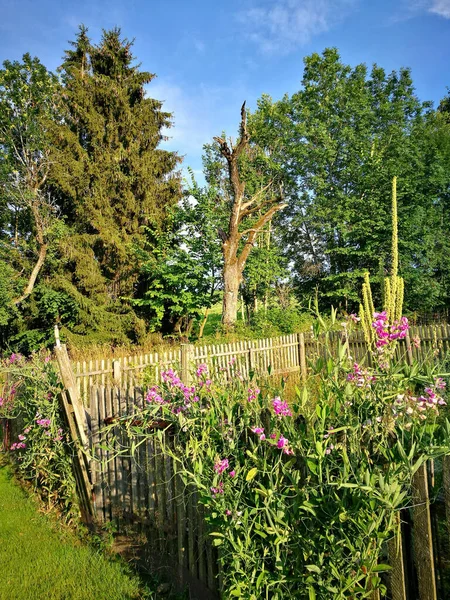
[(111, 177)]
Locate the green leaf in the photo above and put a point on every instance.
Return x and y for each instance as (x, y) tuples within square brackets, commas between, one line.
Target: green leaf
[(381, 567), (251, 474), (313, 569)]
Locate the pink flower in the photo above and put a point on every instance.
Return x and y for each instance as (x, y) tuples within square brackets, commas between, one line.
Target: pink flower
[(44, 422), (440, 383), (253, 394), (221, 465), (281, 408), (228, 512), (282, 442), (258, 430), (232, 473), (416, 341), (201, 370), (217, 490)]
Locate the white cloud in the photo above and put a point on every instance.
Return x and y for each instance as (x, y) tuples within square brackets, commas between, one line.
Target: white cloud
[(436, 7), (441, 8), (283, 25)]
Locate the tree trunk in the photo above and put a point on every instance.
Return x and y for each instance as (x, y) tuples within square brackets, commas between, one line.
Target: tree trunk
[(203, 323), (34, 274), (231, 279)]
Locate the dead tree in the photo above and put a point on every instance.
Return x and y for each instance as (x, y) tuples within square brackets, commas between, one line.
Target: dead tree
[(237, 243)]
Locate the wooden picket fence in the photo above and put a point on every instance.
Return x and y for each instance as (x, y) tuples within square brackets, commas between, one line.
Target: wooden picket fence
[(147, 491), (284, 354)]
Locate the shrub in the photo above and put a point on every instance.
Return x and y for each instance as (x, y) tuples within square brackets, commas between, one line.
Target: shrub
[(40, 446), (301, 499)]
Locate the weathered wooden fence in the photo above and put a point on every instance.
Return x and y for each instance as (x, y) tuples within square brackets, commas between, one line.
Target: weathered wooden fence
[(284, 354), (148, 492)]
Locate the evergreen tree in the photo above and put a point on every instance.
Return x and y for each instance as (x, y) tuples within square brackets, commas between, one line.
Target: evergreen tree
[(110, 175)]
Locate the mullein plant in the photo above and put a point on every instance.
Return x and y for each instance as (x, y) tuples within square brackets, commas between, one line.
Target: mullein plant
[(383, 329)]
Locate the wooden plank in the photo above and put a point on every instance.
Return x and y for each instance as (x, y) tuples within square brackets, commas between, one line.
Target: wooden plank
[(95, 464), (106, 392), (397, 574), (181, 518), (302, 355), (192, 562), (104, 454), (446, 486), (423, 545)]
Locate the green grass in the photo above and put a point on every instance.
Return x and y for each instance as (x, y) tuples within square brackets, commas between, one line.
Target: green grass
[(40, 560)]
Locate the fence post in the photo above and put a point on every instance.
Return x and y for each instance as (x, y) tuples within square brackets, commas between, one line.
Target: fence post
[(446, 482), (117, 372), (397, 575), (423, 544), (409, 348), (302, 355), (186, 359), (76, 419), (251, 356)]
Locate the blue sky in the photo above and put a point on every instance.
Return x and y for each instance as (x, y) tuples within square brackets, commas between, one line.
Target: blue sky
[(211, 55)]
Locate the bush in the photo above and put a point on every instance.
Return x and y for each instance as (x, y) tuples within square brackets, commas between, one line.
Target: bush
[(40, 447), (278, 321), (301, 499)]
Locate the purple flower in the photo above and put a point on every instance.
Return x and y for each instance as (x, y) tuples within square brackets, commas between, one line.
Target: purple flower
[(281, 408), (253, 394), (232, 473), (282, 442), (329, 449), (258, 430), (201, 370), (44, 422), (217, 490), (221, 465), (440, 383)]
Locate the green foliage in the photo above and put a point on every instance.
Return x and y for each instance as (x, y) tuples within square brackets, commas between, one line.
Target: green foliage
[(28, 215), (8, 311), (81, 174), (280, 321), (41, 449), (300, 499), (337, 143), (108, 167), (181, 265)]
